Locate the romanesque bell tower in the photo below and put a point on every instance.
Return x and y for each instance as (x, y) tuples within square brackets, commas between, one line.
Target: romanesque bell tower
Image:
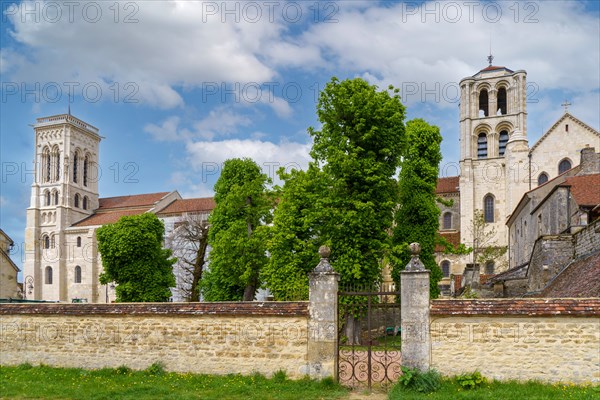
[(493, 147), (64, 191)]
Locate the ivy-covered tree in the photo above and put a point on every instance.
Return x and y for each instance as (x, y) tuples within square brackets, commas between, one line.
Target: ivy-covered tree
[(133, 258), (347, 197), (237, 234), (417, 216)]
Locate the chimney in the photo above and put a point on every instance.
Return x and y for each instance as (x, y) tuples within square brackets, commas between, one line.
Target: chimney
[(590, 161)]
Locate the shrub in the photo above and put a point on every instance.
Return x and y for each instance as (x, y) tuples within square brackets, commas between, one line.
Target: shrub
[(417, 380), (279, 376), (123, 370), (157, 368), (471, 381)]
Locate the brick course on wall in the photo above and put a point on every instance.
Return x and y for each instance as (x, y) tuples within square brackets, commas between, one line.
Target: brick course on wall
[(211, 338), (552, 340)]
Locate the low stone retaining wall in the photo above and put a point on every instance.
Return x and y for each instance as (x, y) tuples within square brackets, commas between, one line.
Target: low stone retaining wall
[(212, 338), (552, 340)]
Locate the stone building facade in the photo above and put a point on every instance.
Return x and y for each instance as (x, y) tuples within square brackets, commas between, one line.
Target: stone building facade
[(9, 288), (497, 165)]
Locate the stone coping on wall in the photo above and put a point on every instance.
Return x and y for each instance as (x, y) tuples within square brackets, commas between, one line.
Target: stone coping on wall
[(273, 308), (516, 307)]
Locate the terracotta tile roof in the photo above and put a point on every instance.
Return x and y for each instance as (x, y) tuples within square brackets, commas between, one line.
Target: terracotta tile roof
[(580, 279), (585, 189), (492, 68), (109, 217), (452, 237), (542, 307), (136, 200), (447, 185), (189, 205)]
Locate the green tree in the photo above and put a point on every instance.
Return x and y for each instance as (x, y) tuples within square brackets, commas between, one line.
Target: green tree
[(485, 246), (417, 216), (133, 257), (347, 197), (296, 234), (237, 234)]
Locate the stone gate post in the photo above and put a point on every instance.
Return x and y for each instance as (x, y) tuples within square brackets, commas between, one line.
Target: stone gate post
[(414, 293), (323, 319)]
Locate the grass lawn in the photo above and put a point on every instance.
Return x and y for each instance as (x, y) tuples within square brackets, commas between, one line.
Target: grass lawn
[(501, 391), (26, 382)]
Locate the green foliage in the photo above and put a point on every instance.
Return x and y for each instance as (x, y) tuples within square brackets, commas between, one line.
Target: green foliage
[(471, 381), (238, 234), (133, 257), (296, 234), (279, 376), (417, 380), (417, 216), (347, 196), (158, 368), (123, 370)]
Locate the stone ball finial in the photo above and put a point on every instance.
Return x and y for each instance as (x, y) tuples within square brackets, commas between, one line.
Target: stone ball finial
[(324, 251), (324, 265), (415, 249), (415, 264)]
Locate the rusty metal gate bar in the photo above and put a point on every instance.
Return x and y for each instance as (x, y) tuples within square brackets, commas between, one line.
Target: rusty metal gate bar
[(365, 364)]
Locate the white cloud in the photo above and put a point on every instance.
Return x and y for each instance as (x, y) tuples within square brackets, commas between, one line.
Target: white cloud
[(207, 157), (172, 44), (167, 131)]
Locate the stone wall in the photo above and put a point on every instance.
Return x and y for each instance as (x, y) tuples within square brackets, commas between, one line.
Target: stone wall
[(587, 240), (552, 340), (215, 338), (550, 255)]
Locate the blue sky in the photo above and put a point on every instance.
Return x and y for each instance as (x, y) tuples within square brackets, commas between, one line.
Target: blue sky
[(177, 87)]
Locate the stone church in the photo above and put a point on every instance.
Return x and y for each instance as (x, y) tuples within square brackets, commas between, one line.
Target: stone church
[(497, 164), (497, 167), (62, 262)]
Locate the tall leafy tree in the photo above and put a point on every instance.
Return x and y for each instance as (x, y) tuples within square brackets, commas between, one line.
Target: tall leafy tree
[(296, 234), (347, 197), (133, 257), (417, 216), (237, 234)]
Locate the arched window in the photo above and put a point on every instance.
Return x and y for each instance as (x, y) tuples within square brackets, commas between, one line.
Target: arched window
[(489, 268), (564, 166), (47, 198), (542, 178), (483, 102), (48, 276), (445, 268), (53, 241), (46, 168), (85, 202), (86, 166), (46, 241), (76, 200), (75, 161), (503, 140), (78, 241), (488, 208), (502, 101), (448, 220), (56, 165), (482, 145), (77, 274), (56, 197)]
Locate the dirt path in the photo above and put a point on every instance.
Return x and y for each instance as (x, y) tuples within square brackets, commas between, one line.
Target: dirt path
[(365, 395)]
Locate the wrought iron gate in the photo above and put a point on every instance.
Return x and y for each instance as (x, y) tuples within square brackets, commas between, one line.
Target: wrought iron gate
[(369, 337)]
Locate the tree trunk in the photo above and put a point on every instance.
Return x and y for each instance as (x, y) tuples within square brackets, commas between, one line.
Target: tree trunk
[(198, 269)]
